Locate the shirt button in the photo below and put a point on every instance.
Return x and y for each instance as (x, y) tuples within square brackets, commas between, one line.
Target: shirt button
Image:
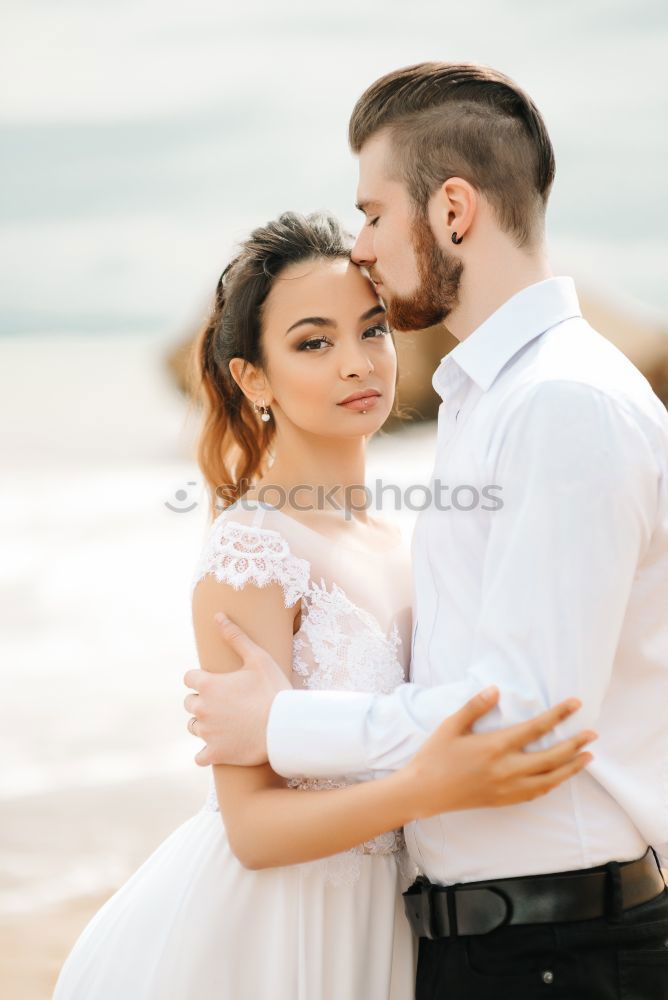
[(548, 977)]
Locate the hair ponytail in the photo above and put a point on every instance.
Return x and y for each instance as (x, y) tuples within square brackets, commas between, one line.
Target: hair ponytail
[(231, 444)]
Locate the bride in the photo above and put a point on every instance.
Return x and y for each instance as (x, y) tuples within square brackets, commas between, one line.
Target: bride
[(291, 890)]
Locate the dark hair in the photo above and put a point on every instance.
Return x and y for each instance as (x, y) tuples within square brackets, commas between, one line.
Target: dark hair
[(233, 442), (463, 120)]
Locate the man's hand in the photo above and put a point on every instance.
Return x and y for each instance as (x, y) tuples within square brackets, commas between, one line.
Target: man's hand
[(457, 768), (232, 709)]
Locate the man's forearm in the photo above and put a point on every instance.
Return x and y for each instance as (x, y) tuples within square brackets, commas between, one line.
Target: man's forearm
[(315, 722), (326, 734)]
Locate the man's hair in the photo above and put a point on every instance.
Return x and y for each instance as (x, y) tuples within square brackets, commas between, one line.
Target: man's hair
[(462, 120)]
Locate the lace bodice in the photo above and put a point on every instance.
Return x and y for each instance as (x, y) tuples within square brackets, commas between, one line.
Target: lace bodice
[(355, 621)]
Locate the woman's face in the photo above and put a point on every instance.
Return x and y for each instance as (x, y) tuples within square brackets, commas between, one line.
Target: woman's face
[(325, 338)]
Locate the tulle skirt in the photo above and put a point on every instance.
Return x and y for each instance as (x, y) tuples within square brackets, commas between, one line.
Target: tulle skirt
[(193, 924)]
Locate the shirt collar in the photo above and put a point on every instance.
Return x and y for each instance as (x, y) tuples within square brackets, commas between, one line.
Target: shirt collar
[(525, 316)]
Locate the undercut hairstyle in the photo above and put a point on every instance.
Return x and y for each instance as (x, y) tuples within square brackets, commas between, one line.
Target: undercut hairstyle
[(462, 120)]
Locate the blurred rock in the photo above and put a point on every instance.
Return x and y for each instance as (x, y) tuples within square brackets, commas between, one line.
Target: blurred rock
[(643, 341)]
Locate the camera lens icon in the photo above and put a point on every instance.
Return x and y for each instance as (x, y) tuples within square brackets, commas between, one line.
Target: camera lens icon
[(182, 497)]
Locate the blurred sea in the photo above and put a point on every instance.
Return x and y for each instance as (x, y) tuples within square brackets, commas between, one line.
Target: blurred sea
[(140, 140)]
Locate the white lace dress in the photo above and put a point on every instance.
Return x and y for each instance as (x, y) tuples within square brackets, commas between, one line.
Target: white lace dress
[(192, 923)]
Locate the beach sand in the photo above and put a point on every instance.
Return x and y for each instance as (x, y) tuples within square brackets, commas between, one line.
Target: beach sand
[(32, 948), (78, 847)]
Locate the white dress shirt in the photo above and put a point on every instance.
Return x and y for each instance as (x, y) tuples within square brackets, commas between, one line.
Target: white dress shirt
[(560, 590)]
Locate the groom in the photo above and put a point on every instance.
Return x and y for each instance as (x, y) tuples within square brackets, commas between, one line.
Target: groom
[(562, 591)]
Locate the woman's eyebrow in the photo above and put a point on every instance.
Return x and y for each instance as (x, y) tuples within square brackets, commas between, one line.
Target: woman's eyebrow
[(323, 321), (311, 321), (374, 311)]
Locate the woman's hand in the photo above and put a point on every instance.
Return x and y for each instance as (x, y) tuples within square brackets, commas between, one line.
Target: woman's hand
[(459, 769)]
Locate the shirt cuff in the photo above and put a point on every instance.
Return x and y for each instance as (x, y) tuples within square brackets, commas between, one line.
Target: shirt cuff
[(318, 734)]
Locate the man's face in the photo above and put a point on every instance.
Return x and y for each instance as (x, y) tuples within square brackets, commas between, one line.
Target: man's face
[(417, 280)]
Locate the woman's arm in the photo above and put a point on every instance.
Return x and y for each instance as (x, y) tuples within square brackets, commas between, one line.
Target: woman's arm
[(270, 825)]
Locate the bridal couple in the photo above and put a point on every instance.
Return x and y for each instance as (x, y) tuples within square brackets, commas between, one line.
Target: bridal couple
[(401, 803)]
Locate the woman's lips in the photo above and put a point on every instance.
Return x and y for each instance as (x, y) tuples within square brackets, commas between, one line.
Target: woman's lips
[(365, 403)]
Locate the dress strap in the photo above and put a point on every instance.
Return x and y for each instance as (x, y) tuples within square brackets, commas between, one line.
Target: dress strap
[(258, 517)]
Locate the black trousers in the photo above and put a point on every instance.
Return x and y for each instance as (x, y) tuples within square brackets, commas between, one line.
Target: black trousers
[(622, 956)]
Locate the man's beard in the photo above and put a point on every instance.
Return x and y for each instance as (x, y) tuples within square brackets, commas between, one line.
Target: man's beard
[(439, 275)]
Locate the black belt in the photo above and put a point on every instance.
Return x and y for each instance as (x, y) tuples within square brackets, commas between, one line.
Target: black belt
[(436, 911)]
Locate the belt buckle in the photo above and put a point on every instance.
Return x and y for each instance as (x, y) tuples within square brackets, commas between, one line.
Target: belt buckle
[(441, 897), (428, 910), (428, 900), (418, 906)]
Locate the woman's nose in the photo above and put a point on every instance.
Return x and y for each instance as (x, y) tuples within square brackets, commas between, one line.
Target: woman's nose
[(356, 363)]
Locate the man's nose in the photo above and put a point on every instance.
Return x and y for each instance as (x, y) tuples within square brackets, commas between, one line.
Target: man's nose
[(362, 252)]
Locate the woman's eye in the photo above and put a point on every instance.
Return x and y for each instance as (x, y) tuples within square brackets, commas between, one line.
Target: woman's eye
[(382, 330), (307, 345)]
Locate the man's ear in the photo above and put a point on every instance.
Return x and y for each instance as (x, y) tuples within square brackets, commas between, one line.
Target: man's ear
[(251, 380), (452, 209)]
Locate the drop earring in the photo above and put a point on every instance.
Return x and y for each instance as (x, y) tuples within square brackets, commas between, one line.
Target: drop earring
[(263, 410), (455, 240)]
